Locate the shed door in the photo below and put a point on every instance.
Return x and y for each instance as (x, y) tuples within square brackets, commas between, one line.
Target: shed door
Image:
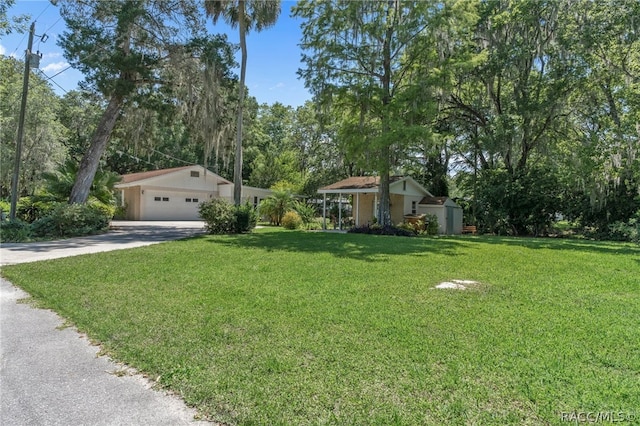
[(449, 220)]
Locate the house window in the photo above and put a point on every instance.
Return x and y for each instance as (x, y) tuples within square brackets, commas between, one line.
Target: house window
[(404, 185), (165, 198), (156, 198), (255, 201), (187, 200), (195, 200), (195, 174), (414, 207)]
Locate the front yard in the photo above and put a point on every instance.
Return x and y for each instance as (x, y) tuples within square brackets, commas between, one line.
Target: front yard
[(292, 327)]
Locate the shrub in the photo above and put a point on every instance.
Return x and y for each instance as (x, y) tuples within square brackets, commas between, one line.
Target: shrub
[(68, 220), (411, 227), (306, 212), (376, 229), (14, 231), (291, 220), (219, 216), (431, 224), (246, 218), (626, 231), (5, 208), (30, 209)]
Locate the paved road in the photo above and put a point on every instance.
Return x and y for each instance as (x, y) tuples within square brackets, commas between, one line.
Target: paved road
[(53, 376)]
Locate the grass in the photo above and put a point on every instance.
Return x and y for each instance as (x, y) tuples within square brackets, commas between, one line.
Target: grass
[(319, 328)]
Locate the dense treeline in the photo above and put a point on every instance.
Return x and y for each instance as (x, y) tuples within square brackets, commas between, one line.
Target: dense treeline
[(525, 112)]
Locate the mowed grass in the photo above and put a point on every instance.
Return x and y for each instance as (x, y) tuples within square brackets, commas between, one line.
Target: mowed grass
[(296, 328)]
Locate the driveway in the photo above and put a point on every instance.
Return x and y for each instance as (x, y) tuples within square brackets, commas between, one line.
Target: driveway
[(123, 235), (52, 375)]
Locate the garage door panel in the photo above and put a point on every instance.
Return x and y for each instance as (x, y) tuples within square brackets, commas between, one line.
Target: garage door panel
[(165, 205)]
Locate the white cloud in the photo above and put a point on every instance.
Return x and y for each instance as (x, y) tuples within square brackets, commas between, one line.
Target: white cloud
[(2, 50), (52, 55), (278, 86), (55, 67)]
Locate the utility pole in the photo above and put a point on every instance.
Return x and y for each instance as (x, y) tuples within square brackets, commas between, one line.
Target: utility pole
[(23, 107)]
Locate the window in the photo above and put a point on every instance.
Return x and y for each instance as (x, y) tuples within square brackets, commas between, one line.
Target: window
[(195, 173), (165, 198), (414, 208), (255, 201), (187, 200), (404, 185), (156, 198), (195, 200)]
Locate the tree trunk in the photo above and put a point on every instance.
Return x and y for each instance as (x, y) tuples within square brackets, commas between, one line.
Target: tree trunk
[(384, 206), (237, 167), (91, 159)]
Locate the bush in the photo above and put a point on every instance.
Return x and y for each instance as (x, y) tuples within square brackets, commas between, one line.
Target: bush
[(431, 224), (222, 217), (626, 231), (291, 220), (70, 220), (14, 231), (306, 212), (5, 208), (30, 209), (219, 216), (376, 229), (246, 218), (411, 227)]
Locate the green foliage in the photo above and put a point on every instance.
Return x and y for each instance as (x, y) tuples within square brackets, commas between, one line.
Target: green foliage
[(626, 231), (306, 212), (291, 220), (42, 144), (14, 231), (431, 224), (276, 205), (222, 217), (218, 215), (30, 209), (246, 218), (69, 220), (5, 208), (521, 204), (58, 184), (376, 229)]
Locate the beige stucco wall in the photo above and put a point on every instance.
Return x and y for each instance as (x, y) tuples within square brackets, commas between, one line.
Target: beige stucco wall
[(131, 198), (363, 208)]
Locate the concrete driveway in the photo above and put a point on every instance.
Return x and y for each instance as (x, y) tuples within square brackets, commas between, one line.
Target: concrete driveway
[(51, 374), (123, 234)]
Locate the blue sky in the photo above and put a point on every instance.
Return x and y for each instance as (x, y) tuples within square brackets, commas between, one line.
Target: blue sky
[(273, 54)]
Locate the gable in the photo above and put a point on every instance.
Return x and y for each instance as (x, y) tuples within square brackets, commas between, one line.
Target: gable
[(409, 187), (180, 178)]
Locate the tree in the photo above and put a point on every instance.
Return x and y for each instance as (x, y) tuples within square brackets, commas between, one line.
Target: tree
[(246, 15), (43, 133), (358, 57), (16, 23), (119, 46)]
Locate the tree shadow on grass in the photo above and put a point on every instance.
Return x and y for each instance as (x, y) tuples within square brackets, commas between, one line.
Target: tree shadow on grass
[(370, 248), (601, 247)]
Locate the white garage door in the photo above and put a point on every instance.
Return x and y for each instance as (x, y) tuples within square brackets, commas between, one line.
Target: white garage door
[(167, 205)]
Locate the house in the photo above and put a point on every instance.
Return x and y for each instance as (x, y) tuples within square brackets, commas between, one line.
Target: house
[(174, 194), (407, 198)]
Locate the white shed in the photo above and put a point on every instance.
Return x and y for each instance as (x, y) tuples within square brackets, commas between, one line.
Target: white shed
[(449, 213)]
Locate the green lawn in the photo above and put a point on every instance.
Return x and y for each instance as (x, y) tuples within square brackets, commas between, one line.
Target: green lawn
[(316, 328)]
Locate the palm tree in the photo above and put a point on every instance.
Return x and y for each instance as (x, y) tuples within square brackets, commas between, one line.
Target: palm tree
[(246, 15)]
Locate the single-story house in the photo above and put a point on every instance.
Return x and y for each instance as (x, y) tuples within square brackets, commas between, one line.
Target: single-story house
[(174, 194), (407, 198)]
